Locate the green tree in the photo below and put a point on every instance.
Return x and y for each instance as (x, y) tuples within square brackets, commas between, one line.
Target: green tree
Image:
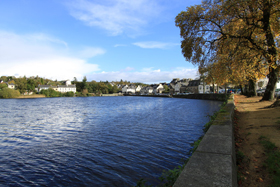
[(51, 93), (75, 80), (31, 84), (3, 85), (92, 87), (4, 78), (69, 94), (251, 25), (166, 88), (42, 81), (102, 87), (115, 89), (21, 84), (110, 88), (84, 83), (9, 93)]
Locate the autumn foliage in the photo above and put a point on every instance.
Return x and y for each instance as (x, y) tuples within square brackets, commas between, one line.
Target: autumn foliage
[(233, 41)]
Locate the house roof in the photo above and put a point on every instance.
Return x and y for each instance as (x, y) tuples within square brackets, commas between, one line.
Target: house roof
[(66, 86), (194, 83), (44, 86)]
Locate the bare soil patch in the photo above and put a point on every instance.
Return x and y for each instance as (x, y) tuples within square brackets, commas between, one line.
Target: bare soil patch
[(252, 120)]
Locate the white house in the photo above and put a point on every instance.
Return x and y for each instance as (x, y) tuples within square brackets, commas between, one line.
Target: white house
[(149, 90), (124, 88), (158, 88), (200, 88), (68, 87), (138, 88), (128, 89), (131, 89), (11, 86), (146, 90), (262, 83)]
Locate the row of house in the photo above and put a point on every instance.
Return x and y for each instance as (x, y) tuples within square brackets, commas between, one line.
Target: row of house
[(68, 87), (152, 89), (175, 86), (190, 86)]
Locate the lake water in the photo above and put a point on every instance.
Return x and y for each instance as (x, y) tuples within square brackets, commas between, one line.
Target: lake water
[(96, 141)]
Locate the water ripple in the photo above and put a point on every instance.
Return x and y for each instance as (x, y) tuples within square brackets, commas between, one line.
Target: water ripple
[(97, 141)]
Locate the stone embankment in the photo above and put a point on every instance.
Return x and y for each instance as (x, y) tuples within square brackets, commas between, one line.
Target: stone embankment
[(215, 97), (114, 94), (214, 161)]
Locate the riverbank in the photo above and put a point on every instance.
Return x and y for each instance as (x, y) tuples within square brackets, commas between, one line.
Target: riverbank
[(215, 97), (31, 96), (254, 119)]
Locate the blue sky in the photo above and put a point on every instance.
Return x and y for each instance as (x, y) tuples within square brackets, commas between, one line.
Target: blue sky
[(133, 40)]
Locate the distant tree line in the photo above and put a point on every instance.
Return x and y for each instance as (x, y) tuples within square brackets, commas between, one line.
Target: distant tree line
[(84, 88), (24, 84)]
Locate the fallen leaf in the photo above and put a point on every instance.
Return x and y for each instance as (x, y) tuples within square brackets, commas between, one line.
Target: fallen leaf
[(260, 179)]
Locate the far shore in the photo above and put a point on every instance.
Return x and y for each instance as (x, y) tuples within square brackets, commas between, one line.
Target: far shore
[(31, 96)]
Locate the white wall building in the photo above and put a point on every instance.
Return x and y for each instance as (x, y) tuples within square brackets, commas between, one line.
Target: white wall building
[(200, 88), (68, 87), (138, 88), (262, 83)]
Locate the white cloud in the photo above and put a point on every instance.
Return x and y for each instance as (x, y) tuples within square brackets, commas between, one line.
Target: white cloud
[(128, 69), (115, 16), (120, 45), (89, 52), (148, 76), (40, 37), (42, 55), (154, 45)]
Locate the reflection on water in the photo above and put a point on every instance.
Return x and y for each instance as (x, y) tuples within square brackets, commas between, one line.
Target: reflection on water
[(96, 141)]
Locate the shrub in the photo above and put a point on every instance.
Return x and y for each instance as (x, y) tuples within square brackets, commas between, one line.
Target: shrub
[(9, 93), (69, 94), (51, 93)]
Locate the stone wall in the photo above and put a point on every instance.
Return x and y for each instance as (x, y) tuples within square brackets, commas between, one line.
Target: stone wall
[(214, 162), (114, 94), (216, 97)]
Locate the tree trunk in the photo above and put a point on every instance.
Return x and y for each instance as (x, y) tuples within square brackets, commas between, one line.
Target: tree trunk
[(271, 51), (271, 85), (242, 93), (252, 88), (245, 90)]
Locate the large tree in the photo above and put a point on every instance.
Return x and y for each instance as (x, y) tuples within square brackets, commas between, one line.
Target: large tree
[(21, 84), (249, 24)]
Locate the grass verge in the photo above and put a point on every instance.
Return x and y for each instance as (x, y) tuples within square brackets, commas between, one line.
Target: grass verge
[(273, 160)]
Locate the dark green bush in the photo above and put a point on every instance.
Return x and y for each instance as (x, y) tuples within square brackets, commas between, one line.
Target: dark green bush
[(9, 93)]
